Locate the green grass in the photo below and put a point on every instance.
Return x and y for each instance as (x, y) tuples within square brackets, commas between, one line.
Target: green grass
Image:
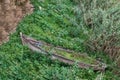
[(72, 55), (77, 57), (54, 24)]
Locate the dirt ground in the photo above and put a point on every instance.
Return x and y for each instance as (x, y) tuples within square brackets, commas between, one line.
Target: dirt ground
[(11, 12)]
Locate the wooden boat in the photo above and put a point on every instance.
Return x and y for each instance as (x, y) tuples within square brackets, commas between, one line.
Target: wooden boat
[(63, 55)]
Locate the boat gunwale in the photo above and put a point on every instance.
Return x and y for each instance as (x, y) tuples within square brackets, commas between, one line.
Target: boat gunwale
[(28, 40)]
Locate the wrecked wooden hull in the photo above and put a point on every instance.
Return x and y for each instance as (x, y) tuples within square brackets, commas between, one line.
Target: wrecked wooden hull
[(58, 53)]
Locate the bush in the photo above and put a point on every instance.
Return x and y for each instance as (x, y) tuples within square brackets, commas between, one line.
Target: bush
[(102, 18)]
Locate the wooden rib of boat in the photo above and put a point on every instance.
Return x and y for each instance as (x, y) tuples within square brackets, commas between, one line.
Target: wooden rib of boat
[(63, 55)]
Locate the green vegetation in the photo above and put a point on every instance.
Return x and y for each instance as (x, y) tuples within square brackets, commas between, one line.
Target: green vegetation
[(102, 18), (72, 55), (61, 23)]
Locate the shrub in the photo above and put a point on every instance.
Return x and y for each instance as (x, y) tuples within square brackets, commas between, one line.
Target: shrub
[(102, 18)]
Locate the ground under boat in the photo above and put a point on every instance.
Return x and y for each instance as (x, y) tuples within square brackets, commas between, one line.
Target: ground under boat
[(63, 55)]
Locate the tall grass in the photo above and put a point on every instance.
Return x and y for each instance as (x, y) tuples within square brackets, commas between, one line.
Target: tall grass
[(102, 19)]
